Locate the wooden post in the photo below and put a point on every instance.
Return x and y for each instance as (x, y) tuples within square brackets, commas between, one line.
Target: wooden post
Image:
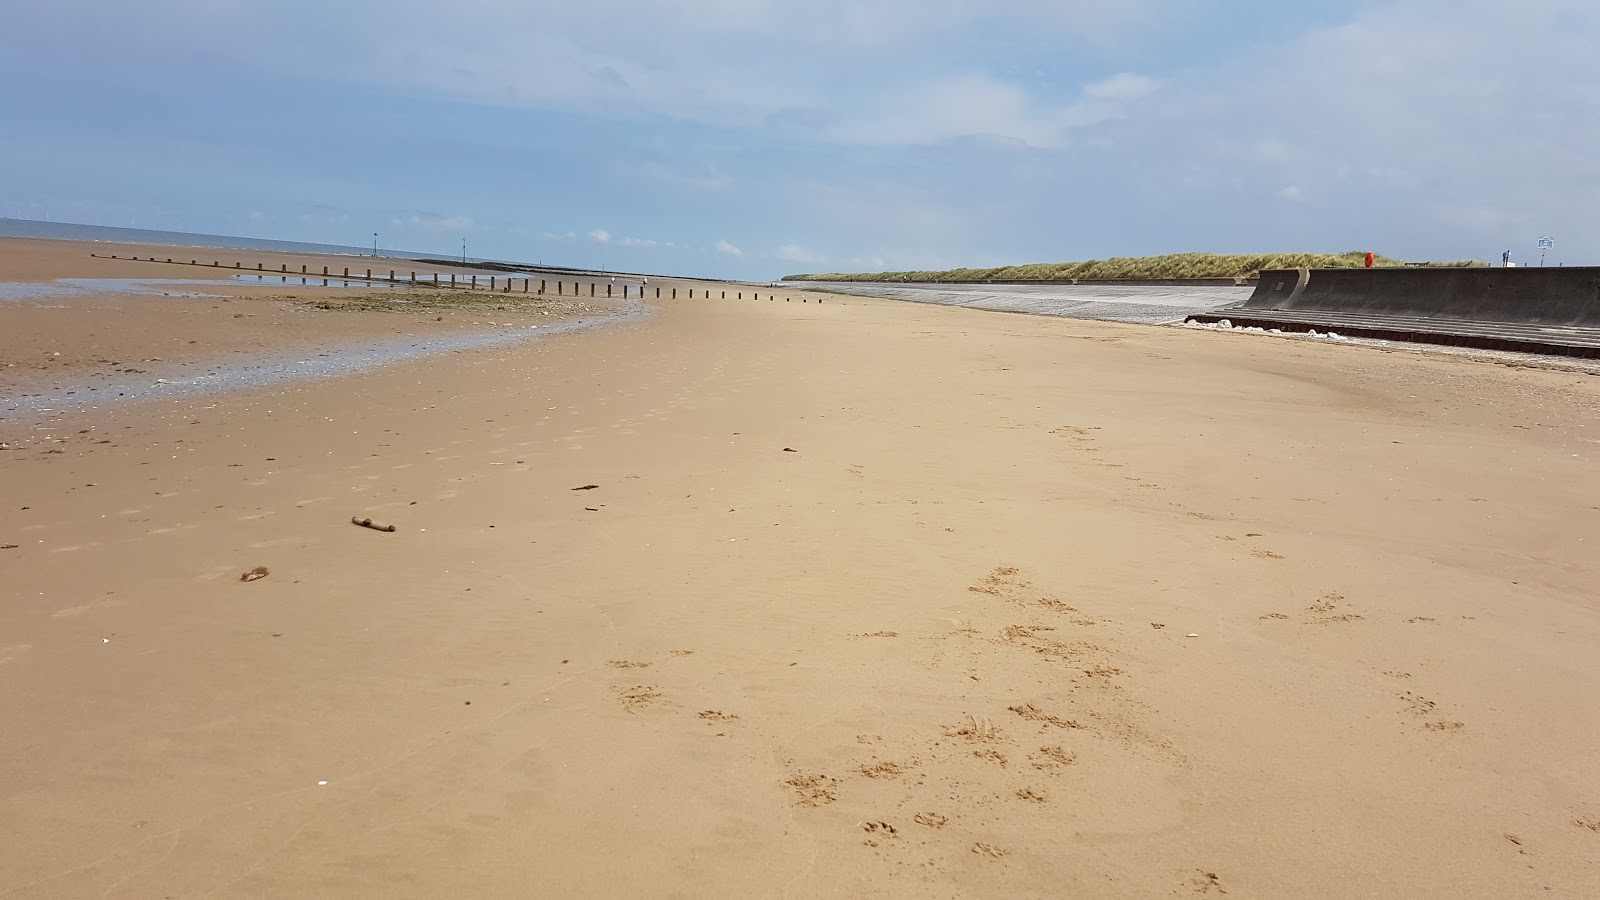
[(658, 293), (541, 285), (608, 290), (302, 270), (525, 283), (258, 266), (369, 273), (474, 282), (452, 279), (674, 293), (591, 289), (491, 282), (391, 274), (347, 271), (724, 295), (741, 295), (324, 270)]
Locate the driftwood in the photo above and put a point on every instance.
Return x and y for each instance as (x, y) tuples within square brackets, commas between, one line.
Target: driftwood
[(368, 523), (256, 574)]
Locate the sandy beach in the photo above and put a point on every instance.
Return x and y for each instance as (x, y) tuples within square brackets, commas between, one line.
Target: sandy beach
[(786, 599)]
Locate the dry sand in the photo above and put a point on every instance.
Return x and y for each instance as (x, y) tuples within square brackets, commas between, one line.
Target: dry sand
[(868, 599)]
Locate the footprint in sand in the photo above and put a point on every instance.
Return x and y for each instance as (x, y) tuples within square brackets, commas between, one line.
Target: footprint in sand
[(813, 789), (638, 697), (1424, 708), (994, 756), (1329, 611), (884, 770), (1052, 757), (977, 729), (1034, 714)]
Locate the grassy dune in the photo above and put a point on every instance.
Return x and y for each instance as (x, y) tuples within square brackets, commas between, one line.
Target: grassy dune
[(1174, 265)]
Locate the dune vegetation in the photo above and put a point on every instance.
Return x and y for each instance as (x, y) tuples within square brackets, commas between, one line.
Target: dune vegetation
[(1139, 268)]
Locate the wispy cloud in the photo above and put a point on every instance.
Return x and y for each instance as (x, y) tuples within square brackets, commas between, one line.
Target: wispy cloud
[(432, 222), (728, 249), (602, 236), (799, 254)]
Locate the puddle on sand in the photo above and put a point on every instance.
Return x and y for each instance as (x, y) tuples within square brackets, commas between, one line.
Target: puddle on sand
[(325, 362), (158, 287)]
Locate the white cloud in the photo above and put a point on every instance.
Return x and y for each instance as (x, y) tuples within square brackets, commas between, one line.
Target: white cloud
[(432, 222), (821, 62), (602, 236), (728, 249), (1121, 88), (797, 253), (1448, 126)]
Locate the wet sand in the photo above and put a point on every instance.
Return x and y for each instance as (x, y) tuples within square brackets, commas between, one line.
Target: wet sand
[(178, 324), (867, 599)]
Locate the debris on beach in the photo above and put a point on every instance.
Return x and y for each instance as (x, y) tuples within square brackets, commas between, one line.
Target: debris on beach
[(256, 574), (368, 523), (790, 450), (587, 487)]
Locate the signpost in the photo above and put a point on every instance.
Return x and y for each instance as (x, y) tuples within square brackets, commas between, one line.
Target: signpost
[(1545, 244)]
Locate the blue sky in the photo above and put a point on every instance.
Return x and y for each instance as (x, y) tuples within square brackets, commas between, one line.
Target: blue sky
[(755, 138)]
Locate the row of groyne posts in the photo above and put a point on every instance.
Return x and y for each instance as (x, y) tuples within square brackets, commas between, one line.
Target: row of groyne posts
[(466, 282)]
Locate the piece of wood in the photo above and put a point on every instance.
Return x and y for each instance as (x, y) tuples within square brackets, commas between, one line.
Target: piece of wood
[(368, 523)]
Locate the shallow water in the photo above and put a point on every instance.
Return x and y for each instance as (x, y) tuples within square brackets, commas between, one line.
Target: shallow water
[(157, 287), (326, 362)]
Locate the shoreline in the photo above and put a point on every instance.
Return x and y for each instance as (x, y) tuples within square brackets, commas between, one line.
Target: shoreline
[(275, 368)]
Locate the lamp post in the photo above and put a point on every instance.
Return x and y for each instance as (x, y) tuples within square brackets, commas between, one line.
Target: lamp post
[(374, 245)]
